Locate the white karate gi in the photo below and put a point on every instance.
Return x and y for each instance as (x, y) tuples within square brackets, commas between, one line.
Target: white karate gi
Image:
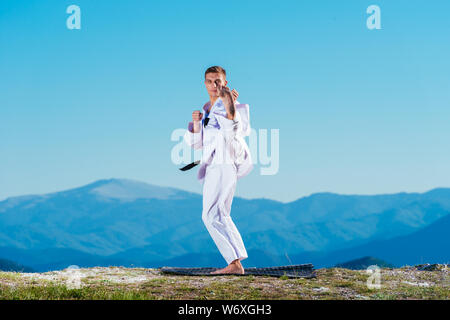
[(225, 159)]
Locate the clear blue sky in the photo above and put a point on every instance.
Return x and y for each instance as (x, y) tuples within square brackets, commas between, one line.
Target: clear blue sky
[(359, 111)]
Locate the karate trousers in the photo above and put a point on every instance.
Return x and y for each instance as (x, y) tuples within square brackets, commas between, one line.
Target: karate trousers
[(218, 191)]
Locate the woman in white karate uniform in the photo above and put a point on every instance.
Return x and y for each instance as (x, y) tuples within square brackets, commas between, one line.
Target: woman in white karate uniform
[(225, 159)]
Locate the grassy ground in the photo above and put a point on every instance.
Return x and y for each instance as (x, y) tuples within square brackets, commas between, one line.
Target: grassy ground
[(140, 283)]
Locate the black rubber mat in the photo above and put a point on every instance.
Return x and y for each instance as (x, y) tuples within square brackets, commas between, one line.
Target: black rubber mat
[(293, 271)]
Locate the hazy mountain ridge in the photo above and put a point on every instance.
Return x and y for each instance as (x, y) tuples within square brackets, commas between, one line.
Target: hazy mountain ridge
[(420, 251), (363, 263), (8, 265), (128, 220)]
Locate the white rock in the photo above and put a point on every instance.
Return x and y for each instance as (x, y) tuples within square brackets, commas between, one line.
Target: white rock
[(419, 284), (321, 289)]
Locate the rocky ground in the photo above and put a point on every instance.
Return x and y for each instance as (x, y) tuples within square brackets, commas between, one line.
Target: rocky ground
[(409, 282)]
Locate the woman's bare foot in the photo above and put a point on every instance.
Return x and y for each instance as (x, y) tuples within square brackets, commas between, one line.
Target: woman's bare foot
[(234, 267)]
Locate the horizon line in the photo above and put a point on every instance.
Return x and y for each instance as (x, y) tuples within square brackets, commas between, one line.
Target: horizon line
[(171, 187)]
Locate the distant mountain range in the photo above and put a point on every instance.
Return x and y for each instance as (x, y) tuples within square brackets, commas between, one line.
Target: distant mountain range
[(427, 245), (8, 265), (363, 263), (127, 222)]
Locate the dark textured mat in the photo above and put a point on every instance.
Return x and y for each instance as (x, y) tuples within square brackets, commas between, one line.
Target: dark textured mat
[(293, 271)]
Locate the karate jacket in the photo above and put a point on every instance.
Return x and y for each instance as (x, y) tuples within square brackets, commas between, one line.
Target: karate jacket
[(222, 135)]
